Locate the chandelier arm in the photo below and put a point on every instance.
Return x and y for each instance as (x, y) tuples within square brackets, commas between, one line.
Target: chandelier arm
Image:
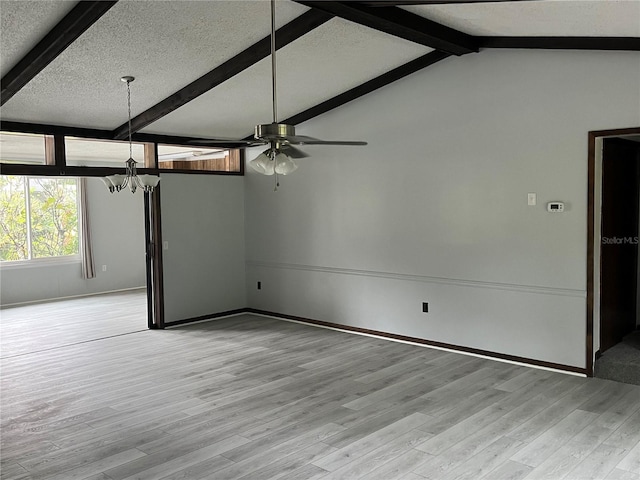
[(135, 180)]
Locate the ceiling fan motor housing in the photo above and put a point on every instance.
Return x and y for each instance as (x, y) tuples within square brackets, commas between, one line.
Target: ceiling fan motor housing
[(274, 131)]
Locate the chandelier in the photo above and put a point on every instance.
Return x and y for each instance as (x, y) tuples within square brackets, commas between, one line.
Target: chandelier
[(130, 179)]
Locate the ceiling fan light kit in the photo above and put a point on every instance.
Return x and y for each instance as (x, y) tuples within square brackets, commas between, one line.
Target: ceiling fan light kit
[(131, 179), (273, 160)]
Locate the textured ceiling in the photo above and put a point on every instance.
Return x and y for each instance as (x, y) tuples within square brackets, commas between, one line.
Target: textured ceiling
[(588, 18), (334, 57), (167, 45), (22, 25)]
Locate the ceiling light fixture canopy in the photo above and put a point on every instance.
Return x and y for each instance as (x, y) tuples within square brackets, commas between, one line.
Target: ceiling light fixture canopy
[(131, 179)]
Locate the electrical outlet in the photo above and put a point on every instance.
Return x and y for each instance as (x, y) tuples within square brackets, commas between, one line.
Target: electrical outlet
[(425, 307), (259, 285)]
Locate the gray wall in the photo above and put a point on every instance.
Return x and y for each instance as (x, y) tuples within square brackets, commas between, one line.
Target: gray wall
[(435, 208), (117, 226), (203, 223)]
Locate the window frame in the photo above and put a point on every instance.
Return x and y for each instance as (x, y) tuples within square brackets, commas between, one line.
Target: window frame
[(56, 156)]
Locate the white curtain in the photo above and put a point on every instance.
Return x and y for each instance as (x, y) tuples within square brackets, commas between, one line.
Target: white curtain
[(88, 267)]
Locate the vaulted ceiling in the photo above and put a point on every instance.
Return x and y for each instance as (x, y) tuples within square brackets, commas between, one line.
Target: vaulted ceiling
[(202, 67)]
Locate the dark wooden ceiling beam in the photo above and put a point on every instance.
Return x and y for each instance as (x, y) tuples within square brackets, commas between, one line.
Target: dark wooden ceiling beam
[(563, 43), (368, 87), (258, 51), (401, 23), (96, 134), (47, 129), (391, 3), (192, 142), (74, 24)]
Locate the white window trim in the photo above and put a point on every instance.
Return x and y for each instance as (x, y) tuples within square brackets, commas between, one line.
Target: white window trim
[(40, 262)]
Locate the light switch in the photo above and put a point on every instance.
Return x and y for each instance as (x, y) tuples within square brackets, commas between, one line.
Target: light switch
[(165, 245), (531, 198)]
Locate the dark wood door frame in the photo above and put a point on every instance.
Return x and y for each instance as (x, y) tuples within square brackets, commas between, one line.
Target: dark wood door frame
[(591, 233), (153, 240)]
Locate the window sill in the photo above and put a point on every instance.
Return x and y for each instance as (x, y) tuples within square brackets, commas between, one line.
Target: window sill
[(40, 262)]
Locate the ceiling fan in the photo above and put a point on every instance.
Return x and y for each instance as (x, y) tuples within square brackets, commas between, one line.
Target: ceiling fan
[(281, 137)]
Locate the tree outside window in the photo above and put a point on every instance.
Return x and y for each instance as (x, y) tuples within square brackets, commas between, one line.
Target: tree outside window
[(38, 218)]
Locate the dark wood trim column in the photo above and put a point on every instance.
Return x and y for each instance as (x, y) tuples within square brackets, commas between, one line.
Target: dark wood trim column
[(158, 278)]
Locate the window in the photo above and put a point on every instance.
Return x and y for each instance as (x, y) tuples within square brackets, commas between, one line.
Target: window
[(84, 152), (175, 157), (38, 218), (25, 148)]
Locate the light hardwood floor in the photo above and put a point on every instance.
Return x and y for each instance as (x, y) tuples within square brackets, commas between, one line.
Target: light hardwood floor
[(257, 398), (41, 326)]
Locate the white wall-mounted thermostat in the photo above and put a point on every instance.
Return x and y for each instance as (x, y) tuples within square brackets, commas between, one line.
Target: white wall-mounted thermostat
[(555, 207)]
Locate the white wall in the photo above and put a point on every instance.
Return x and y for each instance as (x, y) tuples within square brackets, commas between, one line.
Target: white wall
[(117, 226), (204, 266), (435, 208)]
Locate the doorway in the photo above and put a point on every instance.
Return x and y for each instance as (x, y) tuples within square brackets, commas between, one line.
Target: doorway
[(613, 269), (619, 245)]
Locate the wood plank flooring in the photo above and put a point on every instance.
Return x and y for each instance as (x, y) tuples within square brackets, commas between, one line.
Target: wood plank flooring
[(36, 327), (256, 398)]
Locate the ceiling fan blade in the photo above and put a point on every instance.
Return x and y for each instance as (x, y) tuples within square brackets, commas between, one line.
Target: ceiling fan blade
[(293, 152), (305, 140), (221, 143)]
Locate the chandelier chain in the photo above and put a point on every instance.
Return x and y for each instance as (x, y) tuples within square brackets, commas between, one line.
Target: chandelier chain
[(129, 111)]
